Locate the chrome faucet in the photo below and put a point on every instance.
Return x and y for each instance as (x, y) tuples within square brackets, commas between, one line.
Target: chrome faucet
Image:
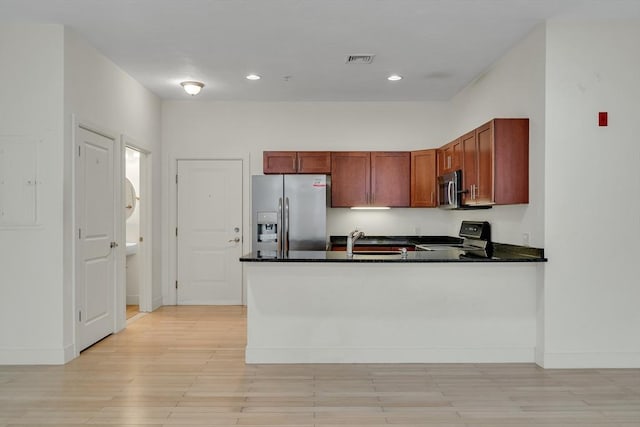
[(351, 239)]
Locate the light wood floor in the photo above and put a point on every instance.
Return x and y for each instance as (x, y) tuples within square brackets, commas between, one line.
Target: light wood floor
[(132, 310), (184, 366)]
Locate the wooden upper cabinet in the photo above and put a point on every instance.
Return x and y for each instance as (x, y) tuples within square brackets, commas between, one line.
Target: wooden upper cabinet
[(314, 162), (484, 190), (390, 178), (450, 157), (370, 179), (279, 162), (456, 154), (511, 158), (496, 163), (350, 178), (423, 179), (470, 167), (296, 162)]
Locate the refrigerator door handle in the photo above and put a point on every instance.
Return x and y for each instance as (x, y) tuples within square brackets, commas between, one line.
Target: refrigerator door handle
[(279, 232), (286, 226)]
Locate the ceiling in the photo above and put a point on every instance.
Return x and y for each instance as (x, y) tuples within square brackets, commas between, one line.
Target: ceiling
[(299, 47)]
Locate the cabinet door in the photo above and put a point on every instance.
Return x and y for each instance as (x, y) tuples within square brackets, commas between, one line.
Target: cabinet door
[(446, 159), (314, 162), (470, 167), (483, 192), (456, 154), (350, 179), (450, 157), (510, 161), (390, 179), (279, 162), (423, 178), (441, 160)]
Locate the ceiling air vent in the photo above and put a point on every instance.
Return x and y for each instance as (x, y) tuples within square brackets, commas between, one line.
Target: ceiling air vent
[(360, 59)]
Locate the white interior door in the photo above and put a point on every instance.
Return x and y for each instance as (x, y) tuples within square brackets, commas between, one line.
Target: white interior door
[(209, 232), (95, 220)]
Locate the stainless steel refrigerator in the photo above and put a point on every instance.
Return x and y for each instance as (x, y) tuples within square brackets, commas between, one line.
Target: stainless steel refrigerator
[(289, 213)]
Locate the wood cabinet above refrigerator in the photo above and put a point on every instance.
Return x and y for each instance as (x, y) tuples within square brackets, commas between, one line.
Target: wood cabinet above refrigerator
[(301, 162)]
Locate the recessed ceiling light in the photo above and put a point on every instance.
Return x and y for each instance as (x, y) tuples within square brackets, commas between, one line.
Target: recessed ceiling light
[(253, 77), (394, 78), (192, 88)]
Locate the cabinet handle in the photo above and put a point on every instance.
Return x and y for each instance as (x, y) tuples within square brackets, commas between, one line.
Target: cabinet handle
[(432, 197), (293, 163), (279, 231), (299, 163)]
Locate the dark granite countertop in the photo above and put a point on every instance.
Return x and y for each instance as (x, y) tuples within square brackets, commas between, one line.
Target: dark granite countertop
[(499, 252)]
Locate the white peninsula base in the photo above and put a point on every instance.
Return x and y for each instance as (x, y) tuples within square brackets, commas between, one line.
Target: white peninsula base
[(395, 313)]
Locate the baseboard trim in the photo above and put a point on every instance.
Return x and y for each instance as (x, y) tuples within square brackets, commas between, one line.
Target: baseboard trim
[(390, 355), (539, 357), (156, 303), (591, 360), (36, 356), (69, 353)]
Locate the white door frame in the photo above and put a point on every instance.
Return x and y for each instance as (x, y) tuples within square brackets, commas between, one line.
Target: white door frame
[(119, 314), (170, 296), (146, 218)]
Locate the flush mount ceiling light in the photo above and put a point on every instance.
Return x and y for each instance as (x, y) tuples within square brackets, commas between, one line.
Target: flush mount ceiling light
[(192, 88), (394, 78), (253, 77)]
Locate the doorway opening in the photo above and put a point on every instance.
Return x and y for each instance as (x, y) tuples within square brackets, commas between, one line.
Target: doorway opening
[(132, 216), (136, 209)]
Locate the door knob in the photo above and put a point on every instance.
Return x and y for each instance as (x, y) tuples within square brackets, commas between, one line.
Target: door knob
[(236, 240)]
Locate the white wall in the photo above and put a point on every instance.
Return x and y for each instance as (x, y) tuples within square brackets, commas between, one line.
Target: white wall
[(192, 129), (98, 91), (31, 278), (52, 75), (513, 87), (592, 195)]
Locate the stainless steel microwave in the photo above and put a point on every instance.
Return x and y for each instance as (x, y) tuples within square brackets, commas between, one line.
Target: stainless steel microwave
[(450, 190)]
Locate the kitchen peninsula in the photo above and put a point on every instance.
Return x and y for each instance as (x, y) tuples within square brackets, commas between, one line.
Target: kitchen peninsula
[(431, 306)]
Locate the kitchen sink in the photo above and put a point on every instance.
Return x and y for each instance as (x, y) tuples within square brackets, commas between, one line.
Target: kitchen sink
[(377, 252)]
